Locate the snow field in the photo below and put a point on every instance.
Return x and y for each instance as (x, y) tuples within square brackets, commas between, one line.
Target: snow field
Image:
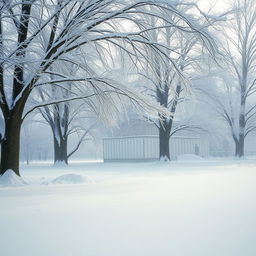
[(167, 209)]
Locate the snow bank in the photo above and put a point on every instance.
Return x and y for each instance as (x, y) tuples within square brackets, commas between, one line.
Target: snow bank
[(10, 179), (60, 164), (190, 157), (69, 179), (138, 209), (164, 159)]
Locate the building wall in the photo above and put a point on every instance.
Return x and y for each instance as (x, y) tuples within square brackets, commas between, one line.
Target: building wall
[(146, 148)]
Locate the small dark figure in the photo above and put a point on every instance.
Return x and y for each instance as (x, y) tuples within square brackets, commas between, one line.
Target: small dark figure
[(196, 150)]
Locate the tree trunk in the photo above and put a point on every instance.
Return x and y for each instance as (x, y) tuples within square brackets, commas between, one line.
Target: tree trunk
[(60, 150), (240, 146), (164, 150), (242, 123), (10, 147)]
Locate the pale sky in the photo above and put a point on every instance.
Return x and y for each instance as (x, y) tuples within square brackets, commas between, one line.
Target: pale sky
[(216, 5)]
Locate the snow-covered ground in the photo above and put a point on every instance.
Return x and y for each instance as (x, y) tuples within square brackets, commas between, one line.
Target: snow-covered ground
[(183, 208)]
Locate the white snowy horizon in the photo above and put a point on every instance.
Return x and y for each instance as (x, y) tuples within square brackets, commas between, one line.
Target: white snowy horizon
[(181, 208)]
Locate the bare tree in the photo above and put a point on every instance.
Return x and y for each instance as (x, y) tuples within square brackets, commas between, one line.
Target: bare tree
[(64, 120), (234, 96), (171, 87), (35, 34)]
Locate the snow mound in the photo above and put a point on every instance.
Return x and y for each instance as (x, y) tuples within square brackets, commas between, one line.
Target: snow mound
[(10, 179), (60, 164), (69, 179), (190, 157), (164, 159)]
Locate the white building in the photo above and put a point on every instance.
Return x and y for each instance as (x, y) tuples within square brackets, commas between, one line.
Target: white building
[(146, 147), (138, 140)]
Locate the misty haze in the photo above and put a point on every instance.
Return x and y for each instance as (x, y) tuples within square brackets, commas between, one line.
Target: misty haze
[(127, 127)]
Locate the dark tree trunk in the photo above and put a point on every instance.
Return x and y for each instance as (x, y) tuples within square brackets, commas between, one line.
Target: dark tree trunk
[(10, 147), (240, 141), (240, 146), (60, 150), (164, 151), (164, 136), (165, 124)]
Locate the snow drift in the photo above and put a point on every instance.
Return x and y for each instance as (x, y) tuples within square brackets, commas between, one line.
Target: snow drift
[(10, 179), (69, 179)]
